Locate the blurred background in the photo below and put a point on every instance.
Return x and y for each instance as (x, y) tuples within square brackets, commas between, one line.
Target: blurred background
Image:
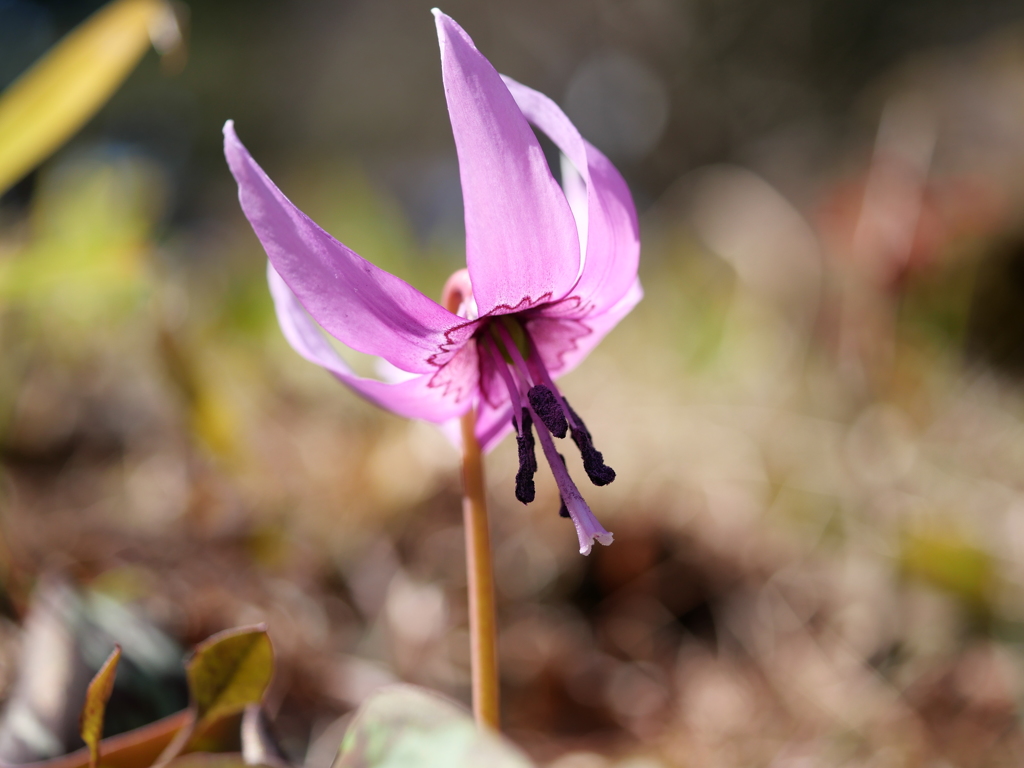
[(816, 414)]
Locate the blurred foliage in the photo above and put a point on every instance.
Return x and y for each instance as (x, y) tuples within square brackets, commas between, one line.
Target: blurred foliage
[(406, 726), (945, 557), (51, 101), (230, 671), (83, 264)]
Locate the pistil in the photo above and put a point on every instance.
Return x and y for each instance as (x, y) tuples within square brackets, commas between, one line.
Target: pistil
[(588, 529)]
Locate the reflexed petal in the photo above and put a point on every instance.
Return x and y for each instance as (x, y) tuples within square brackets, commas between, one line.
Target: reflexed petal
[(575, 189), (563, 342), (520, 234), (414, 398), (612, 241), (492, 424), (358, 303)]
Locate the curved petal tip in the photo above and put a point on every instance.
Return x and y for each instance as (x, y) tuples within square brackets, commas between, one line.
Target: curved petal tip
[(232, 144), (447, 27), (522, 245)]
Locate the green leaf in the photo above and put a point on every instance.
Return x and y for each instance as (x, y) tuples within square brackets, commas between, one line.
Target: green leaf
[(403, 726), (47, 104), (91, 226), (229, 671), (96, 697)]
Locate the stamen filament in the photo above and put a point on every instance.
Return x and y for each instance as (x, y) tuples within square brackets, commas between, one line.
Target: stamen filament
[(514, 394), (526, 490), (593, 460), (540, 371), (513, 351)]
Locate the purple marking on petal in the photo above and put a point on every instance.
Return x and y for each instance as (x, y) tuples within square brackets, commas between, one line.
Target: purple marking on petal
[(612, 240), (492, 389), (460, 375), (414, 398), (358, 303), (521, 240), (562, 343)]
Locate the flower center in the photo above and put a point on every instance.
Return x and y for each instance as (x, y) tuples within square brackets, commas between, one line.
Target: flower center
[(506, 344)]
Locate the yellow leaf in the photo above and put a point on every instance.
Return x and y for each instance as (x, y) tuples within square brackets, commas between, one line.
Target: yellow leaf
[(229, 671), (45, 106), (96, 697)]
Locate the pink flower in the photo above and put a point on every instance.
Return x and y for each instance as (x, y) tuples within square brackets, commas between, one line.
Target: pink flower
[(550, 271)]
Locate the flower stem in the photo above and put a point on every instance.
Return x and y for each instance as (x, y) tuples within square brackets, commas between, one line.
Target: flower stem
[(480, 572)]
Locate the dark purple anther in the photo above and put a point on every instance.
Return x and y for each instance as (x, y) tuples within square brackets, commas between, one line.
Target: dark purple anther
[(526, 491), (593, 462), (548, 409)]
